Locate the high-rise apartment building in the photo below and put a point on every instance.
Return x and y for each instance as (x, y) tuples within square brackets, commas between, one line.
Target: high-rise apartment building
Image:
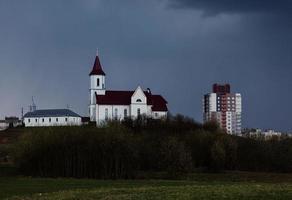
[(223, 107)]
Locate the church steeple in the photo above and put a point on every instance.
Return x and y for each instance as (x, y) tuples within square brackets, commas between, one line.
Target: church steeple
[(97, 86), (97, 69)]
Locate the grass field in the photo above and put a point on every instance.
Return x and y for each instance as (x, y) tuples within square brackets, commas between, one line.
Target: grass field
[(199, 186)]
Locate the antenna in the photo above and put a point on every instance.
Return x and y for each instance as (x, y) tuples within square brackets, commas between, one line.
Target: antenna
[(33, 106)]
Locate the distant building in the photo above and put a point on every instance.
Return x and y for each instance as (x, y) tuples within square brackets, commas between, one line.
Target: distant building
[(267, 134), (10, 122), (223, 107), (53, 117), (3, 125), (117, 105)]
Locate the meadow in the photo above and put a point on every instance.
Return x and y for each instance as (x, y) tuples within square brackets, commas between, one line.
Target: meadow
[(231, 185)]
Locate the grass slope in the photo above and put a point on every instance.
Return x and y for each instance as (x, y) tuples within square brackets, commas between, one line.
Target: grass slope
[(201, 186)]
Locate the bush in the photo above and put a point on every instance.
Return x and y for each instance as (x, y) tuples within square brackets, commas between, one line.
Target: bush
[(121, 150), (75, 152), (175, 157)]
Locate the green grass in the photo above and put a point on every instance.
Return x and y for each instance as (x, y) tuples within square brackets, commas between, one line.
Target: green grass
[(251, 186)]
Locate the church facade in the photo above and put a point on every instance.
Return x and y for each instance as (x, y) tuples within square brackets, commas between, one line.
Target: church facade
[(117, 105)]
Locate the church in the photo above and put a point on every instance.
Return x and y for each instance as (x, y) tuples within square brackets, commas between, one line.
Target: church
[(117, 105)]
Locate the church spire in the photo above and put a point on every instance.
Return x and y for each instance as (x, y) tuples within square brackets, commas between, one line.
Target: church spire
[(97, 69)]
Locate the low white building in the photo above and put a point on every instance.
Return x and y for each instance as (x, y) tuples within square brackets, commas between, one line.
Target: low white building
[(267, 134), (117, 105), (53, 117), (3, 125)]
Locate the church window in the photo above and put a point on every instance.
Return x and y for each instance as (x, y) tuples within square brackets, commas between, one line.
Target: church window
[(125, 113), (106, 114), (116, 113), (138, 112), (97, 82), (36, 120), (66, 119), (156, 114), (57, 119), (28, 120), (138, 100), (43, 120)]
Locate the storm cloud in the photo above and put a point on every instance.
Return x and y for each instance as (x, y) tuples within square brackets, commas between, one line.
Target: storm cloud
[(176, 48), (213, 7)]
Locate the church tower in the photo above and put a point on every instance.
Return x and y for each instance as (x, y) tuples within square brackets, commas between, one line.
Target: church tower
[(97, 86)]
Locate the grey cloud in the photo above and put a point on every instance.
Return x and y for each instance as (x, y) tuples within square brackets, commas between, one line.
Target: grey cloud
[(213, 7)]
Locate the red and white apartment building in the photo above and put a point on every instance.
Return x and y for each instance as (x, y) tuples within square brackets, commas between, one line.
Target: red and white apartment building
[(223, 107)]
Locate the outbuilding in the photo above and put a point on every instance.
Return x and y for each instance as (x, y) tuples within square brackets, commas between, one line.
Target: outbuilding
[(52, 117)]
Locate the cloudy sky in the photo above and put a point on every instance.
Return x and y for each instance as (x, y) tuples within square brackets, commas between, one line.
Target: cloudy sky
[(178, 48)]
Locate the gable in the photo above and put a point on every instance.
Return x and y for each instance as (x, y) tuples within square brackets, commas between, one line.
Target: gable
[(139, 97)]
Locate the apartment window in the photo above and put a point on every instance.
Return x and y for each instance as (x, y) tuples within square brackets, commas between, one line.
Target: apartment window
[(57, 119), (138, 112), (125, 113), (97, 82), (106, 114)]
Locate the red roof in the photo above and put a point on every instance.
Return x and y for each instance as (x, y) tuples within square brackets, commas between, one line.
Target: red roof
[(97, 69), (124, 98), (158, 103)]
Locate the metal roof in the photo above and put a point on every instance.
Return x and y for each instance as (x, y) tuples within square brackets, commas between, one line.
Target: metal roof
[(112, 97), (51, 113)]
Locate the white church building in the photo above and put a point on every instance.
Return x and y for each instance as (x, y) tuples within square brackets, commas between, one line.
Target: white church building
[(117, 105)]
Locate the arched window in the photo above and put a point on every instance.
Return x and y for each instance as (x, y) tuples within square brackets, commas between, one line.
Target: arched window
[(138, 100), (97, 82), (138, 112), (116, 113), (125, 113), (106, 114)]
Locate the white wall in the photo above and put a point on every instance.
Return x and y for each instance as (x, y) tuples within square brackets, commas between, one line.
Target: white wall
[(101, 112), (238, 102), (92, 112), (138, 101), (3, 126), (94, 89), (159, 114), (38, 122), (212, 102)]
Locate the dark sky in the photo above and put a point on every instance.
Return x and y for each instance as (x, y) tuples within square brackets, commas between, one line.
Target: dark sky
[(178, 48)]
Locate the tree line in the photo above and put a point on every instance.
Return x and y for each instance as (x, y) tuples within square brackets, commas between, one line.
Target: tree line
[(124, 150)]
